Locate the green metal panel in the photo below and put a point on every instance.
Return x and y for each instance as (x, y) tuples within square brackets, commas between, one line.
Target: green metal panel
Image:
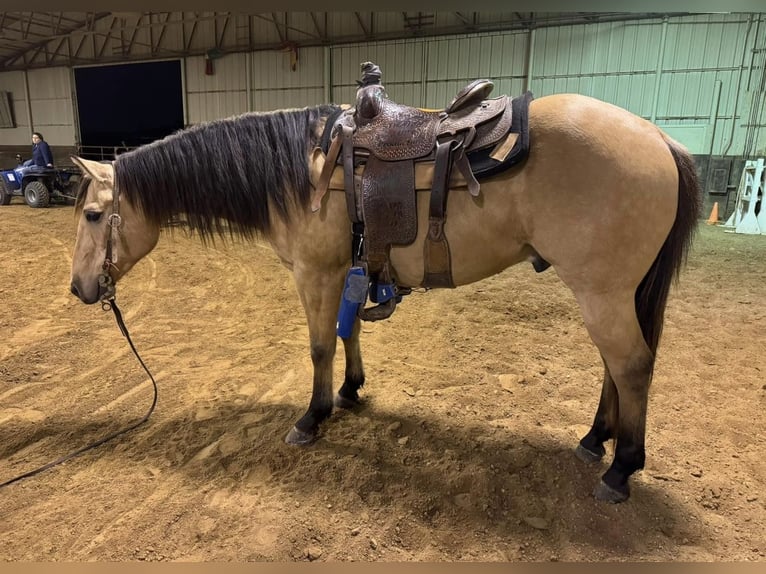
[(614, 62), (624, 63), (452, 63), (618, 62), (401, 61)]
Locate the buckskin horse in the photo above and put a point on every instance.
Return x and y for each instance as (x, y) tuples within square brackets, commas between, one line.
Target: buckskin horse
[(603, 196)]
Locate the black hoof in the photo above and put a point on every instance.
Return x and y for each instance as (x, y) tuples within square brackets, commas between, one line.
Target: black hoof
[(606, 493), (300, 438), (588, 456), (345, 403)]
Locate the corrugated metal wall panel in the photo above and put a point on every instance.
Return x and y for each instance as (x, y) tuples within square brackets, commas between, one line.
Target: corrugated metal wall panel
[(272, 69), (615, 61), (205, 107), (276, 85), (219, 95), (699, 51), (609, 61), (227, 74), (268, 100), (13, 82), (401, 63), (490, 56), (452, 64), (50, 83), (50, 94)]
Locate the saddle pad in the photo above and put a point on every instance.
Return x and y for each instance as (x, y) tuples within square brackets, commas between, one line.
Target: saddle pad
[(389, 206)]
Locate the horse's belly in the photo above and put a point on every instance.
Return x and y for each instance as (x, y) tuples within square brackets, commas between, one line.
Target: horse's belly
[(483, 234)]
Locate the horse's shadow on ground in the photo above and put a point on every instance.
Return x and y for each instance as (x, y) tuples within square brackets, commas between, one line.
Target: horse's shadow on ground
[(492, 486)]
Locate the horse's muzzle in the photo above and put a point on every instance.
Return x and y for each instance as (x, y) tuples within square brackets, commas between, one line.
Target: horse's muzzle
[(87, 300)]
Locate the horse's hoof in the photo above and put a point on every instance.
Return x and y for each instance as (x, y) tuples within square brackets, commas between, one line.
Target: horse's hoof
[(345, 403), (587, 456), (606, 493), (300, 438)]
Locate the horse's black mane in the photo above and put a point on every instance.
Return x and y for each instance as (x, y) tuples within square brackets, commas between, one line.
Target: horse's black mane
[(225, 175)]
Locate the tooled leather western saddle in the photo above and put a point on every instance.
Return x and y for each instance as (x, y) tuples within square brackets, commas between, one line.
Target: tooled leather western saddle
[(389, 151)]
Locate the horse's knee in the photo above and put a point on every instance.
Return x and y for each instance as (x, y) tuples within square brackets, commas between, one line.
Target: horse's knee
[(321, 353)]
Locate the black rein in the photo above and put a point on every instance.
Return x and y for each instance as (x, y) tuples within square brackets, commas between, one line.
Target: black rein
[(121, 324)]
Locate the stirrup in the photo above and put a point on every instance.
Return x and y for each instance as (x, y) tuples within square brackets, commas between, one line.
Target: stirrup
[(378, 312)]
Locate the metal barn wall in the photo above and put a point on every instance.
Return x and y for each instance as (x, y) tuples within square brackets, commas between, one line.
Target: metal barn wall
[(451, 64), (696, 76), (276, 85), (685, 74), (429, 72), (222, 94), (402, 64), (49, 94), (615, 62), (14, 82), (690, 75)]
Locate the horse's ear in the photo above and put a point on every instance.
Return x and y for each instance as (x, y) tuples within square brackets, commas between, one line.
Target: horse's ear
[(103, 172)]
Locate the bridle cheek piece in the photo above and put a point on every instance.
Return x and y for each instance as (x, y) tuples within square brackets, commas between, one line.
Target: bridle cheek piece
[(105, 281)]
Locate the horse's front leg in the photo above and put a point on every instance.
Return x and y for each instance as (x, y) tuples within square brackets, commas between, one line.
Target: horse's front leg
[(348, 394), (320, 292)]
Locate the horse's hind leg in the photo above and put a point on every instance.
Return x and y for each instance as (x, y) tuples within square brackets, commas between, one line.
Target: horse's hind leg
[(348, 394), (613, 325), (591, 447)]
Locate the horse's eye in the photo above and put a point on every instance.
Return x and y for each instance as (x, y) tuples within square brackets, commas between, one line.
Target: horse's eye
[(93, 215)]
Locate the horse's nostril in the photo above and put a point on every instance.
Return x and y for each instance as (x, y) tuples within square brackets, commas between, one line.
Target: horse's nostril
[(74, 290)]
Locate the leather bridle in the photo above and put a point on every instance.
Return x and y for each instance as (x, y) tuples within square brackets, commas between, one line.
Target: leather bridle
[(105, 281)]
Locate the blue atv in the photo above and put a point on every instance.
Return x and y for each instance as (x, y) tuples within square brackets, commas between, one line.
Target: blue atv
[(39, 186)]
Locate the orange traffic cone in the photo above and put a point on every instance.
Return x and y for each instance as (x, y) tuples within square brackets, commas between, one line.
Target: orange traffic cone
[(713, 219)]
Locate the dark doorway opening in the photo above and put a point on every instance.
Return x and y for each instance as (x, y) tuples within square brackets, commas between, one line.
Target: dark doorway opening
[(127, 105)]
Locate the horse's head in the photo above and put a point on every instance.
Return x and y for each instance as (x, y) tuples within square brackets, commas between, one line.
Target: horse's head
[(112, 235)]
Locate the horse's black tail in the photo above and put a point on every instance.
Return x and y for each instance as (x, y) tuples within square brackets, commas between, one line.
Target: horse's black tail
[(652, 293)]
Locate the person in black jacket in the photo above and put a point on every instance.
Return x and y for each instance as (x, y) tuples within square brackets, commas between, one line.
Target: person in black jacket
[(41, 152)]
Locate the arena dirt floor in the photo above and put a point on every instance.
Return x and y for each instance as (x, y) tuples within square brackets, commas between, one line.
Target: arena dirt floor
[(463, 450)]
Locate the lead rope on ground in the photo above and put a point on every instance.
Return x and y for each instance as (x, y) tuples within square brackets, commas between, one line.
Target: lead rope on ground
[(106, 305)]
